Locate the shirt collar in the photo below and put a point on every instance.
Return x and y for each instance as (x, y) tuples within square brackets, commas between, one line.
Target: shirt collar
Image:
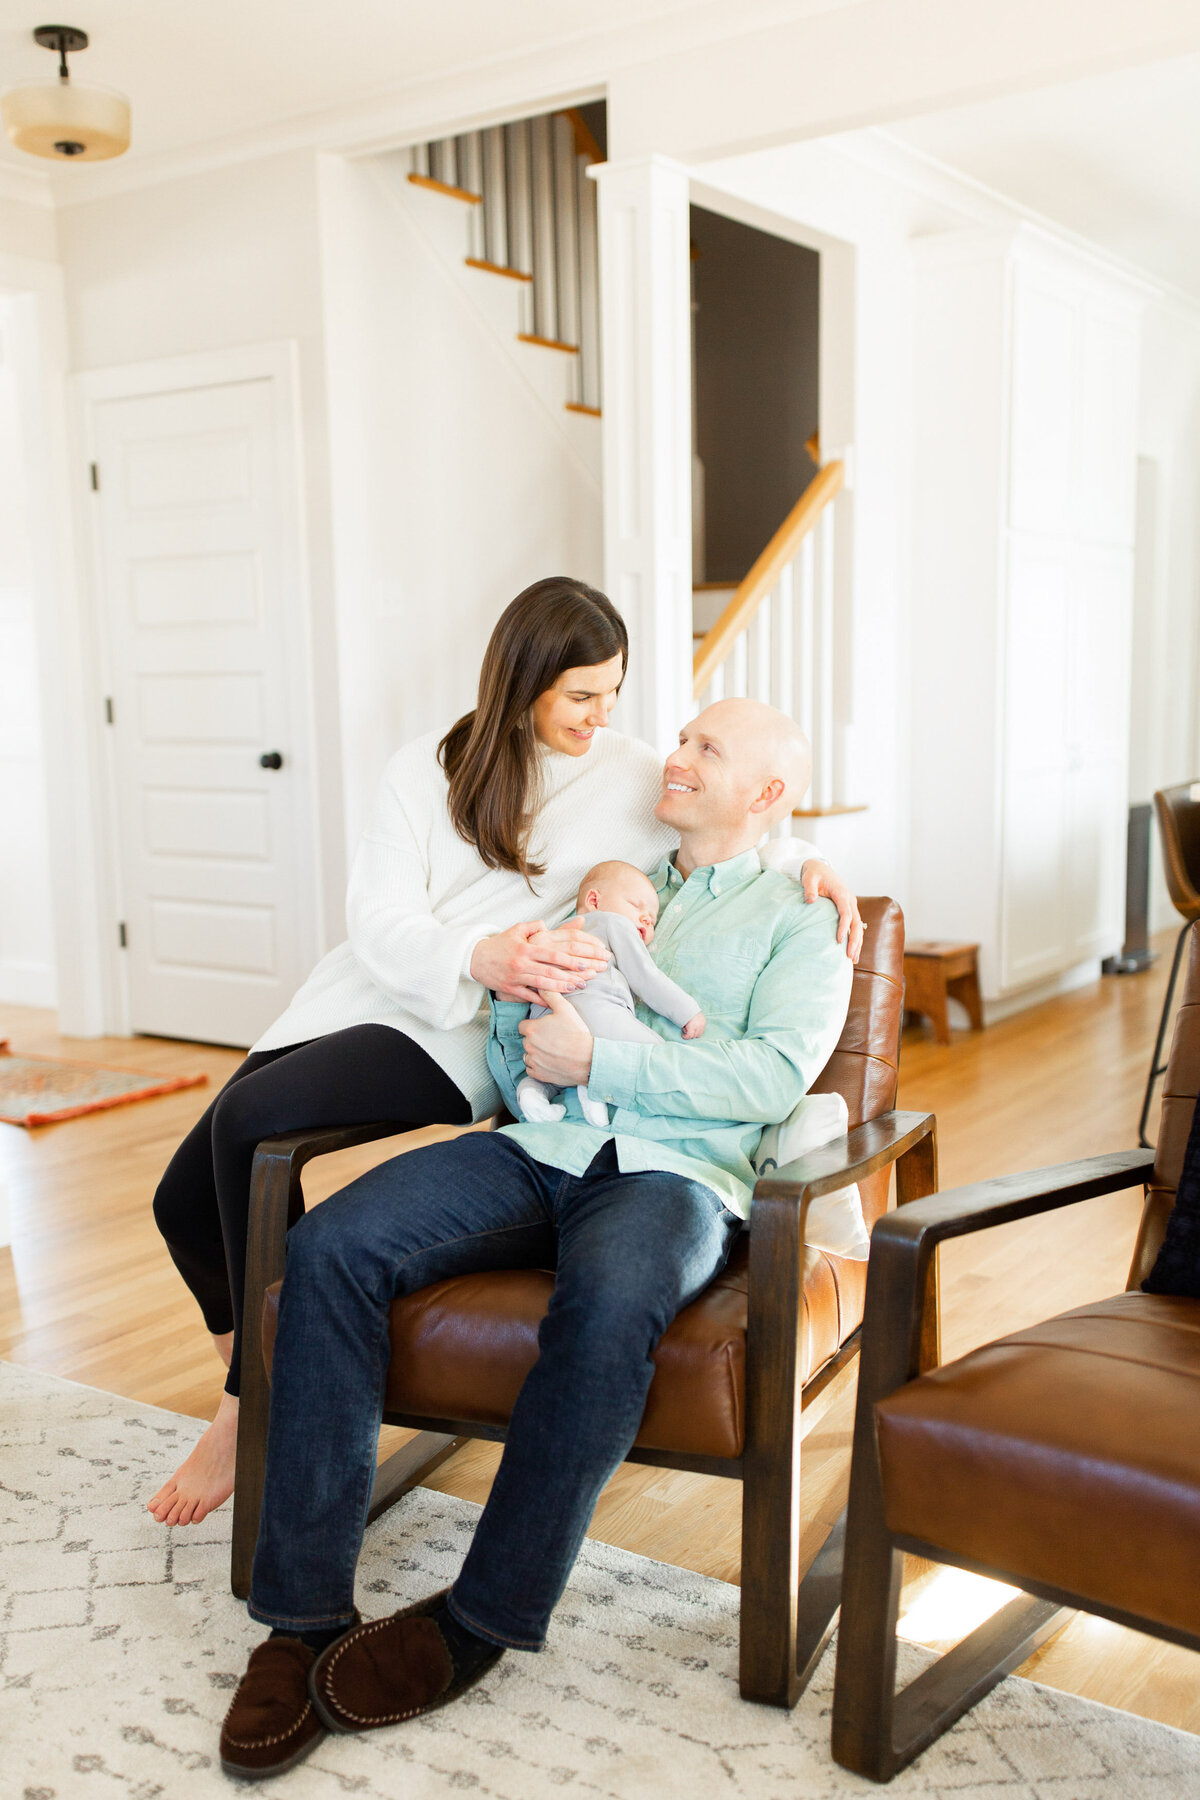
[(721, 876)]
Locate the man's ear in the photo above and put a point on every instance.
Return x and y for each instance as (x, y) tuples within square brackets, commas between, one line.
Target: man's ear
[(771, 795)]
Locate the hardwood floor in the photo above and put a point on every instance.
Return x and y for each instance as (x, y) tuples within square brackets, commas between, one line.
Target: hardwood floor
[(89, 1293)]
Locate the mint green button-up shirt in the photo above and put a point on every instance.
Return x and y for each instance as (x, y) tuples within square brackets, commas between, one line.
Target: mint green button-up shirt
[(774, 984)]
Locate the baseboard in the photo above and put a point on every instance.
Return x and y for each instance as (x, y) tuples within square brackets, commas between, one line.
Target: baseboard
[(1006, 1005), (27, 984)]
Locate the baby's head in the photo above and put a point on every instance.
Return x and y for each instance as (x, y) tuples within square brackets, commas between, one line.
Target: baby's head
[(619, 887)]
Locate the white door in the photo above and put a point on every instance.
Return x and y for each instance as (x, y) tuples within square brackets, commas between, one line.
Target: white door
[(205, 632)]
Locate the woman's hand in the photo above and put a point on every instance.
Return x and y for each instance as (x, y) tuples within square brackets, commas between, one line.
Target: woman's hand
[(529, 960), (817, 880)]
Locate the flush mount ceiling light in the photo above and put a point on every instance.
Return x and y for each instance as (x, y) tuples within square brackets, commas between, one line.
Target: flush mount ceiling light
[(58, 119)]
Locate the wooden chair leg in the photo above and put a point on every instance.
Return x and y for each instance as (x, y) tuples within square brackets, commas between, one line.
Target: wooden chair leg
[(819, 1599), (275, 1199), (771, 1461), (407, 1467)]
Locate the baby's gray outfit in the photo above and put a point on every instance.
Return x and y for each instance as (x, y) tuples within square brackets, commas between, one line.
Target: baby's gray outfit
[(606, 1004)]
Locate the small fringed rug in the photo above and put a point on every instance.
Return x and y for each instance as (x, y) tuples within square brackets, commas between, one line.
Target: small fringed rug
[(39, 1090)]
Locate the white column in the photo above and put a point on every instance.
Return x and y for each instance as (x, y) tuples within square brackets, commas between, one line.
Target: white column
[(646, 352)]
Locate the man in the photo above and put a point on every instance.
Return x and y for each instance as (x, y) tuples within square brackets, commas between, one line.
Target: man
[(636, 1220)]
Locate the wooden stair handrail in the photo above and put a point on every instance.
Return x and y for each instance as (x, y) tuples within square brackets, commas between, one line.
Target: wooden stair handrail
[(753, 590)]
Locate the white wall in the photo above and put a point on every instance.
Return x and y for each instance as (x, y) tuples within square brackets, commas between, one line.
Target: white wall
[(866, 403), (26, 928), (210, 262), (1165, 725), (458, 475), (27, 220)]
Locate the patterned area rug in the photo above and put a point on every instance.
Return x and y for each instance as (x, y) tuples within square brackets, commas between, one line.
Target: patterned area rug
[(120, 1644), (39, 1090)]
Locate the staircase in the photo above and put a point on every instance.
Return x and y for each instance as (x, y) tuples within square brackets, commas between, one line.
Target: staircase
[(532, 220), (774, 640)]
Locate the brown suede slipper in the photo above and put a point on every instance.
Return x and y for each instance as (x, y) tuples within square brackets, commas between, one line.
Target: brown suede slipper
[(388, 1670), (271, 1724)]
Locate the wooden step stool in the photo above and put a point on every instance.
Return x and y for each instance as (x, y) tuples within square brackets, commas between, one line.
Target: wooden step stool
[(935, 968)]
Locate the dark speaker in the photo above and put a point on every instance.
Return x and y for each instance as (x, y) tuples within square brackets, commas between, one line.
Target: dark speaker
[(1136, 953)]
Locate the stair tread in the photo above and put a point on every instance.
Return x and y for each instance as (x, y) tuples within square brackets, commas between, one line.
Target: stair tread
[(826, 812), (578, 406), (531, 337), (491, 268), (446, 187)]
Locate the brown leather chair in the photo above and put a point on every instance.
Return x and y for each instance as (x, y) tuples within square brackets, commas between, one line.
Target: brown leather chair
[(1063, 1459), (742, 1374), (1179, 833)]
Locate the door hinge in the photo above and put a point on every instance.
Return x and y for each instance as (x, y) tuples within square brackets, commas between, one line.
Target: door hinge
[(122, 936), (95, 473), (108, 712)]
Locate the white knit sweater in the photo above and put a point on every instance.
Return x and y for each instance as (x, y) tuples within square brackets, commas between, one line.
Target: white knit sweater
[(420, 898)]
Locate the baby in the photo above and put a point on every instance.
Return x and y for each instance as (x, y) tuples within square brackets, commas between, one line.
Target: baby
[(619, 905)]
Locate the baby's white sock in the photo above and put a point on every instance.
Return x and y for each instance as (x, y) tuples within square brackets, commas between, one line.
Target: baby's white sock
[(535, 1102), (594, 1111)]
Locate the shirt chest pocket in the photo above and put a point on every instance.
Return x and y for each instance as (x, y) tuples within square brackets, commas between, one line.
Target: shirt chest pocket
[(721, 972)]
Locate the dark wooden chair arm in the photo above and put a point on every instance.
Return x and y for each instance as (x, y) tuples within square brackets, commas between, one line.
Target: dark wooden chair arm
[(276, 1198), (860, 1153), (903, 1244)]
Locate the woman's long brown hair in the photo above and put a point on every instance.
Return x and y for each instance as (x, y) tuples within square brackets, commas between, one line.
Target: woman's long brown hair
[(490, 755)]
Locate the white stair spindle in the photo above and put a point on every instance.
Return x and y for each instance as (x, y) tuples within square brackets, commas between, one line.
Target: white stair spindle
[(784, 638), (760, 653), (805, 664), (823, 782), (566, 229), (716, 687), (738, 666), (545, 290), (442, 165), (495, 199), (469, 159), (519, 197), (589, 287)]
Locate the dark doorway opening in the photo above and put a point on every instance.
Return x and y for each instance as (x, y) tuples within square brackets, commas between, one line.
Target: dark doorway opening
[(756, 394)]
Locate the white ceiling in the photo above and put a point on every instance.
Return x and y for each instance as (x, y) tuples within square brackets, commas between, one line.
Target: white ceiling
[(1115, 158), (201, 72)]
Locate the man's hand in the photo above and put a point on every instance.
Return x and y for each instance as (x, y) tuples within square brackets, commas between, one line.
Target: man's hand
[(819, 880), (558, 1049)]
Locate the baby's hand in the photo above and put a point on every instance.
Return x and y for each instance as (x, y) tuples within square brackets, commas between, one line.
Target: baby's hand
[(695, 1027)]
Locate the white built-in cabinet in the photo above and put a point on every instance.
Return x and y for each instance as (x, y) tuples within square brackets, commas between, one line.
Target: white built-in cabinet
[(1025, 375)]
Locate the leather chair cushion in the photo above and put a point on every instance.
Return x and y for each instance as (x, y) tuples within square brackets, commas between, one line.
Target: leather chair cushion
[(1066, 1454), (461, 1349)]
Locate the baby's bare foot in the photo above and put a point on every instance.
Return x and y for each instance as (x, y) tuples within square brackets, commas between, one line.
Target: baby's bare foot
[(204, 1480)]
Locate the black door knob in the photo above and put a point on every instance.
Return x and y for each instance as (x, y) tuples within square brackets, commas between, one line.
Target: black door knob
[(270, 759)]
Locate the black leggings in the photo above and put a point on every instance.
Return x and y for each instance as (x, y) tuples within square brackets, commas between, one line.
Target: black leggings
[(347, 1078)]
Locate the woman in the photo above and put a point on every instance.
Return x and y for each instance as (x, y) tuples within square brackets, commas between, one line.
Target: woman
[(502, 818)]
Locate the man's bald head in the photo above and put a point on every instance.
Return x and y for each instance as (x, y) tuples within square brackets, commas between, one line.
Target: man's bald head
[(764, 740), (740, 766)]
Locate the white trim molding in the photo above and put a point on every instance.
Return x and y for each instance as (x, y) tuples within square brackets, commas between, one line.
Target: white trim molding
[(645, 311)]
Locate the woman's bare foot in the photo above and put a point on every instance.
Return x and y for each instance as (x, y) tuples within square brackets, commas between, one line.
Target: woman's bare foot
[(204, 1480)]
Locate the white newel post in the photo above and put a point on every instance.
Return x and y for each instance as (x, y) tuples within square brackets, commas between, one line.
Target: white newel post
[(645, 319)]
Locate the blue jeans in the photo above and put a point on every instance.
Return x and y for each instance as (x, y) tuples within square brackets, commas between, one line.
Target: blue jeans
[(629, 1252)]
